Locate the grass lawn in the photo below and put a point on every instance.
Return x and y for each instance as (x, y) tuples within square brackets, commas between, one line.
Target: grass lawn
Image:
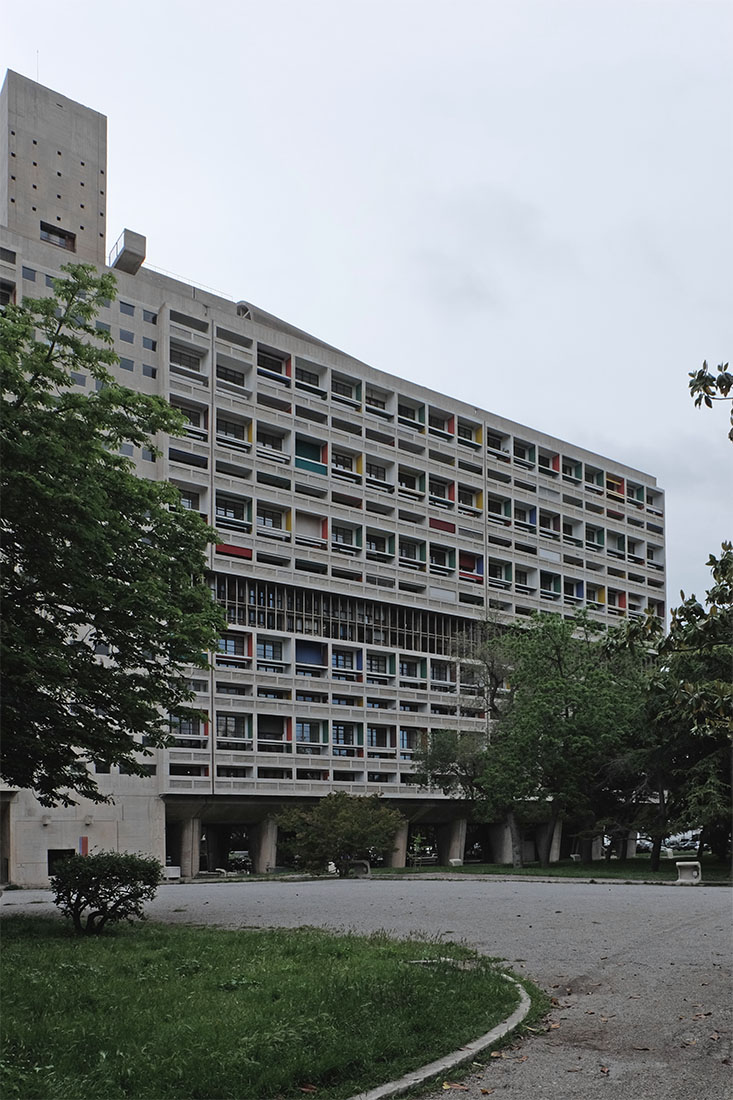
[(712, 869), (168, 1011)]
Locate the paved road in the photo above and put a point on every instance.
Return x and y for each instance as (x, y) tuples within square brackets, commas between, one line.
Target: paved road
[(641, 974)]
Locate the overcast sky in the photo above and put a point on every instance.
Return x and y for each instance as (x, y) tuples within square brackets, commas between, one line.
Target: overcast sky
[(525, 203)]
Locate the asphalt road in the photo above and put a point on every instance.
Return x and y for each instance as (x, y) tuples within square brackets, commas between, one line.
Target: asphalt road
[(641, 974)]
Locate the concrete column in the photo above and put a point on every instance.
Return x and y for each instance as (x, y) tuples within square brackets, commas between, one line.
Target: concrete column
[(501, 843), (556, 839), (398, 856), (190, 847), (263, 846), (451, 841)]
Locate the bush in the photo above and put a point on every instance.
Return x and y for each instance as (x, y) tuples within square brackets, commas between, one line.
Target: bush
[(106, 887)]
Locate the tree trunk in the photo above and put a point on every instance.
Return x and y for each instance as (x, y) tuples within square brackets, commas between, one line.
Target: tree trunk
[(545, 845), (656, 853), (516, 835)]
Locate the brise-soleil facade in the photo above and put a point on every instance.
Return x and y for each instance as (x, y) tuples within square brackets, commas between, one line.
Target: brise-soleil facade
[(363, 522)]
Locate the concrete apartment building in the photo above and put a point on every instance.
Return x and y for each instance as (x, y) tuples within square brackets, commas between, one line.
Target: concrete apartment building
[(363, 521)]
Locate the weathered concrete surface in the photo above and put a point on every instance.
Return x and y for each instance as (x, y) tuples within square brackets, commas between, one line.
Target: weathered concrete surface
[(641, 973)]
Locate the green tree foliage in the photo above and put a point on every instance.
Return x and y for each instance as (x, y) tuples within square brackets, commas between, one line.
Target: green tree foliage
[(707, 387), (340, 828), (575, 709), (560, 740), (683, 758), (95, 559), (104, 888)]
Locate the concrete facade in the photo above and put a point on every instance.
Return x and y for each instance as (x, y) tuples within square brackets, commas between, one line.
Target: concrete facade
[(363, 519)]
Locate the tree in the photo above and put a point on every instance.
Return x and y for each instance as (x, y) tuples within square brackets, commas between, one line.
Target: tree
[(104, 584), (340, 828), (575, 709), (462, 761), (106, 887), (561, 738), (683, 758), (707, 387)]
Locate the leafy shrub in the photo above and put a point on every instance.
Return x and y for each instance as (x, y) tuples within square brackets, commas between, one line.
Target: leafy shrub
[(105, 887)]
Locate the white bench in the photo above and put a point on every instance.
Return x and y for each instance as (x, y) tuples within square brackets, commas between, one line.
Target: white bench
[(689, 873)]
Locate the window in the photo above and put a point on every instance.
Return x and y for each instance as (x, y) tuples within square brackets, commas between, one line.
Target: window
[(127, 336), (307, 731), (185, 727), (186, 359), (270, 362), (126, 307), (341, 659), (231, 725), (189, 500), (148, 455), (438, 556), (376, 542), (150, 345), (232, 428), (437, 422), (60, 237), (520, 576), (233, 644), (340, 461), (464, 432), (375, 401), (376, 663), (406, 412), (102, 326), (379, 473), (230, 689), (408, 668), (466, 496), (343, 733), (408, 550), (345, 389), (270, 651), (126, 448), (150, 372), (342, 535), (308, 376), (230, 508), (29, 274), (266, 439), (267, 517), (226, 374), (127, 364), (78, 379), (150, 317), (440, 670)]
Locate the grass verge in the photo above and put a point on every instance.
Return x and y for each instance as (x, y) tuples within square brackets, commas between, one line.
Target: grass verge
[(156, 1011), (639, 868)]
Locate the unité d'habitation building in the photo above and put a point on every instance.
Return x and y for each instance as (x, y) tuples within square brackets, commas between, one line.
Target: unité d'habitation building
[(363, 520)]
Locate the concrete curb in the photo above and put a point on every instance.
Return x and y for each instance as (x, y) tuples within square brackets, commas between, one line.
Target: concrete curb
[(450, 1061)]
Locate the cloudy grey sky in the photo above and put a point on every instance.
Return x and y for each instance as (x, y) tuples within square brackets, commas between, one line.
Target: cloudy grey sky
[(525, 203)]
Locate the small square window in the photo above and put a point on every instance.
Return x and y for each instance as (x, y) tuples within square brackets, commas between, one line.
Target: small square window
[(127, 364), (150, 317), (49, 280), (148, 455), (126, 307), (127, 449), (149, 372), (149, 345), (78, 379), (102, 326), (127, 336), (29, 274)]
